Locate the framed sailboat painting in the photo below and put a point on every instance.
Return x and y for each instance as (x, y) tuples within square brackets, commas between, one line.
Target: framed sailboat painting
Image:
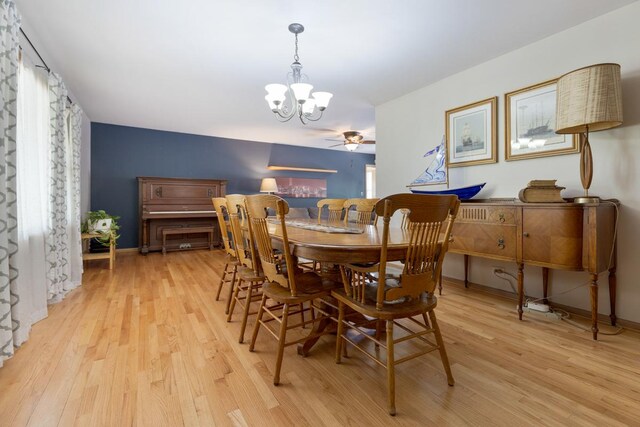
[(471, 133), (530, 116)]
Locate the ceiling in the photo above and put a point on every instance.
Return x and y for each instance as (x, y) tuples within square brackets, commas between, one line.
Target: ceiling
[(200, 66)]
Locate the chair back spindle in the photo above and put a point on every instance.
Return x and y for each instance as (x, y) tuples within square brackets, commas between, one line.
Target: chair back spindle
[(222, 213)]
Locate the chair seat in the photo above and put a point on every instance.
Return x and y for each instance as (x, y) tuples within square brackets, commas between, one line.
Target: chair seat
[(393, 310), (310, 286), (247, 274)]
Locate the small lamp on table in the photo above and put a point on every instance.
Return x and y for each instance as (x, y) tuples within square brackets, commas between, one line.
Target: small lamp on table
[(588, 99), (268, 185)]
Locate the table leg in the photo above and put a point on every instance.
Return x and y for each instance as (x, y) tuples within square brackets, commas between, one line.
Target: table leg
[(612, 295), (520, 289), (594, 305), (318, 327), (545, 285)]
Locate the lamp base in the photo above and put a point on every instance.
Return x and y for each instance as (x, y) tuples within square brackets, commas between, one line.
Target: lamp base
[(584, 200)]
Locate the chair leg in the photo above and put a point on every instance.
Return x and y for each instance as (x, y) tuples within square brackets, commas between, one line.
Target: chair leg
[(281, 343), (224, 274), (256, 327), (247, 306), (443, 352), (236, 293), (391, 371), (339, 340), (231, 288), (304, 324)]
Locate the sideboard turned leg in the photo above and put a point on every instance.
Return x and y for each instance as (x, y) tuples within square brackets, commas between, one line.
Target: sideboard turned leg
[(545, 284), (612, 295), (466, 271), (594, 305), (520, 289)]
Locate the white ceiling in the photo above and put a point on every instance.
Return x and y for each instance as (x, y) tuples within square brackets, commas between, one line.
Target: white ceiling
[(200, 66)]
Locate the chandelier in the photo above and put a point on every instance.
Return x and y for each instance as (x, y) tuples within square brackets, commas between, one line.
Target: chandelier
[(307, 106)]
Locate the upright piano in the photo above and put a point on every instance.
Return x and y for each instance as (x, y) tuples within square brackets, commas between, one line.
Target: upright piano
[(177, 203)]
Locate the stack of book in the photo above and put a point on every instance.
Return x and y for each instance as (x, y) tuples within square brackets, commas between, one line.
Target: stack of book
[(541, 191)]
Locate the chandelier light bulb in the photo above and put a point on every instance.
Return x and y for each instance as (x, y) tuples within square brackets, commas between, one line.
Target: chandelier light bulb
[(309, 106), (322, 99), (301, 91)]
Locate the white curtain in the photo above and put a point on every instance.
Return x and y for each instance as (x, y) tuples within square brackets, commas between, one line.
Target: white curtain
[(63, 245), (33, 193), (10, 321)]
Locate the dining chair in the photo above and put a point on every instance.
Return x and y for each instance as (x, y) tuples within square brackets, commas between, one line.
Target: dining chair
[(364, 211), (409, 296), (335, 208), (231, 260), (250, 276), (404, 224), (287, 286)]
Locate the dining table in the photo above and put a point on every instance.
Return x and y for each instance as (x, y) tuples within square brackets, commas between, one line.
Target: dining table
[(332, 244)]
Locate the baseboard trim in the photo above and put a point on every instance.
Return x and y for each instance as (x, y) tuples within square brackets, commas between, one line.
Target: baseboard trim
[(127, 250), (573, 310)]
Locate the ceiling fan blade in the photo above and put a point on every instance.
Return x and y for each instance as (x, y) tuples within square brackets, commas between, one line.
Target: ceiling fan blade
[(332, 139), (368, 141), (337, 145)]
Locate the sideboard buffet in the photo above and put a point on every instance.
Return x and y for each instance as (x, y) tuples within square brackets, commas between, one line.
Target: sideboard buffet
[(566, 236)]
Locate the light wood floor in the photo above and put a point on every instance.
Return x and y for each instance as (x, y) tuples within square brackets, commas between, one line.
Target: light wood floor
[(147, 344)]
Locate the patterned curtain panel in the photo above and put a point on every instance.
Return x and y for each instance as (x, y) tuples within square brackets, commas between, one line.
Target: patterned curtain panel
[(9, 51), (75, 245), (59, 244)]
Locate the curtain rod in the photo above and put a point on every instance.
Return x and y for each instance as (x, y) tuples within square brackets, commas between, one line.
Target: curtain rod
[(44, 64)]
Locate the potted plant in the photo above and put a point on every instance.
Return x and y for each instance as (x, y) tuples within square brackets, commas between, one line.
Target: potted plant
[(103, 224)]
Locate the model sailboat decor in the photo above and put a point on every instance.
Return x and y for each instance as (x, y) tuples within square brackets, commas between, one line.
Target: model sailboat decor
[(437, 173)]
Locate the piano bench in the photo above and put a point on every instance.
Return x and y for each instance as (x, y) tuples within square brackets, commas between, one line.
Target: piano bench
[(186, 230)]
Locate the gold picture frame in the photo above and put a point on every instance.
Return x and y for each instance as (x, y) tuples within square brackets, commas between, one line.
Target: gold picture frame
[(530, 132), (471, 133)]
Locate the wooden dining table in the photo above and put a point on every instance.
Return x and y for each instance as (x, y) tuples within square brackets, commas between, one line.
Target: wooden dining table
[(333, 248), (342, 248)]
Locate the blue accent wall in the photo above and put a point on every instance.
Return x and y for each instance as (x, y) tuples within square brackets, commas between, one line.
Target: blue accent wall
[(119, 154)]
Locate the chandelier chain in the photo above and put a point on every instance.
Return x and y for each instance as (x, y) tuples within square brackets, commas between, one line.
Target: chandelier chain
[(295, 56)]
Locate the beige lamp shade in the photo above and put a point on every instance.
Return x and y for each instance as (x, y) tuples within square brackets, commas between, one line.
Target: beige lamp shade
[(268, 185), (589, 99)]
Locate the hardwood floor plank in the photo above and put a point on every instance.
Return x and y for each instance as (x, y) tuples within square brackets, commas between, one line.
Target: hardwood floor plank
[(147, 344)]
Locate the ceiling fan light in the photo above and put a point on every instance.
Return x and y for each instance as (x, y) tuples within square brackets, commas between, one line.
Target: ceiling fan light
[(351, 146), (322, 99), (301, 91)]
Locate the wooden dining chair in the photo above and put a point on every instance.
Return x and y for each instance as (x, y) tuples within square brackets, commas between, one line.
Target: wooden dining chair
[(250, 276), (404, 224), (231, 261), (335, 208), (364, 211), (410, 296), (287, 287)]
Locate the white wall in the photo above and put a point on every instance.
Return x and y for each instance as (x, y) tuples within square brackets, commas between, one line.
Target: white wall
[(406, 127)]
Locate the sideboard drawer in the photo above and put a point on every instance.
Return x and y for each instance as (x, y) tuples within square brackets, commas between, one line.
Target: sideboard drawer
[(488, 240), (487, 214)]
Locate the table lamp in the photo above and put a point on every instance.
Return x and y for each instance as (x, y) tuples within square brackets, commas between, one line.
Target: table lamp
[(588, 99), (268, 185)]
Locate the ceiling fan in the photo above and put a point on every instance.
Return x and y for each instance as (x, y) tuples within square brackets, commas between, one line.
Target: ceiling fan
[(352, 139)]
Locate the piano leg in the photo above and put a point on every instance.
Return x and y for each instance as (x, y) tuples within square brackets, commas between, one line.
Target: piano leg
[(145, 238)]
